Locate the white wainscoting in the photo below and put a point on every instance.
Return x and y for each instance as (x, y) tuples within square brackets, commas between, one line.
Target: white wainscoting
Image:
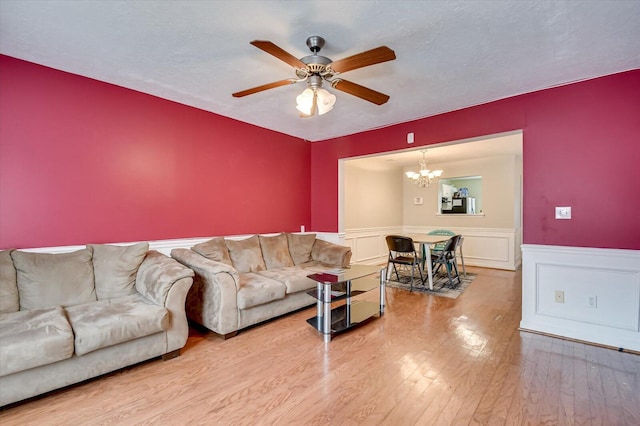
[(609, 277), (484, 247), (489, 248), (368, 245)]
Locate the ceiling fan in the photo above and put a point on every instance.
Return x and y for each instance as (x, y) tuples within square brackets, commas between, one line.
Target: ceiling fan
[(314, 69)]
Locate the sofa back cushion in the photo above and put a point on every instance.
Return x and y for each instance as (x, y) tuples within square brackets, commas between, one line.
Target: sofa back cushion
[(9, 301), (115, 268), (246, 254), (300, 246), (214, 249), (275, 251), (46, 280), (331, 254)]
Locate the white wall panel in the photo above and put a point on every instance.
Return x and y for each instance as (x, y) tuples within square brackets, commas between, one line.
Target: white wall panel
[(611, 276)]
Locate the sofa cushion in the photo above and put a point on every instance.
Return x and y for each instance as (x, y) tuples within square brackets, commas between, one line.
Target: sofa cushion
[(331, 254), (295, 278), (214, 249), (256, 290), (46, 280), (108, 322), (34, 338), (300, 246), (115, 268), (275, 251), (9, 301), (246, 254)]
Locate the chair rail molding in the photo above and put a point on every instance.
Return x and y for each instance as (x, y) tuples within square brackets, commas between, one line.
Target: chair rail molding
[(599, 289)]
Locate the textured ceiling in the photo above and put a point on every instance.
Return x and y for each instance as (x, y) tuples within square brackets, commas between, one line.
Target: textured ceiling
[(450, 54)]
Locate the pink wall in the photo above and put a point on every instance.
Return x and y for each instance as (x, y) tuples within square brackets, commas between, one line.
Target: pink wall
[(581, 148), (84, 161)]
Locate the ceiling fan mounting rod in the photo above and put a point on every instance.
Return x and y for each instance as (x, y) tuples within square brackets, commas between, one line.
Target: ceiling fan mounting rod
[(315, 43)]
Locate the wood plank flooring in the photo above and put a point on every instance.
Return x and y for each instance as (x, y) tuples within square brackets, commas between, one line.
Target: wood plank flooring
[(427, 361)]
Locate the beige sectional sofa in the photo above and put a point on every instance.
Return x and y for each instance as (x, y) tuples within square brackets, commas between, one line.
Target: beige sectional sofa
[(239, 283), (68, 317)]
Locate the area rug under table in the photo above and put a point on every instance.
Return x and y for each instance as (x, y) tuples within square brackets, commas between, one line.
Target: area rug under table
[(440, 284)]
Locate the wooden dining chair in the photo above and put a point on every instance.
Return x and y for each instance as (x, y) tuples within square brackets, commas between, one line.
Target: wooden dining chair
[(402, 251)]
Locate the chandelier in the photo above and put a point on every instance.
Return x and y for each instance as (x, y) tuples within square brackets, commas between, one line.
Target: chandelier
[(424, 177)]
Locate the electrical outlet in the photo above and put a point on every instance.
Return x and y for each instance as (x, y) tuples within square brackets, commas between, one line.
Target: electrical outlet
[(559, 296), (592, 301)]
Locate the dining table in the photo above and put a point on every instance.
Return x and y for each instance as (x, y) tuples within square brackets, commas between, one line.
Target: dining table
[(427, 241)]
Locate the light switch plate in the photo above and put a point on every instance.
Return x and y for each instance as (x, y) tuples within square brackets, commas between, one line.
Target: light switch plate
[(563, 212)]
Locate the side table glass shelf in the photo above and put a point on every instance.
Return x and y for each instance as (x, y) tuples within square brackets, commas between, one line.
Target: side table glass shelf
[(344, 284)]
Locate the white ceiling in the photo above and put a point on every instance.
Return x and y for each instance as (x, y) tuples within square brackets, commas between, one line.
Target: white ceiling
[(450, 54)]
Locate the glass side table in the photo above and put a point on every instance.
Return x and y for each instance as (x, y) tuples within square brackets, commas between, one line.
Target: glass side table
[(344, 284)]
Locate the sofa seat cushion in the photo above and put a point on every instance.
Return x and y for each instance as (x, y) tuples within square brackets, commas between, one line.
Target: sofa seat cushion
[(108, 322), (29, 339), (256, 290), (315, 267), (295, 278)]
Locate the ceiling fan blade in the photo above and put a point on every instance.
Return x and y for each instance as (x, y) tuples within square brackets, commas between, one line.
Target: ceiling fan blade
[(360, 91), (279, 53), (364, 59), (263, 87)]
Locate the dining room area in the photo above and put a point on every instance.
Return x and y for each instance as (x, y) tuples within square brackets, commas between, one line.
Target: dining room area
[(378, 198)]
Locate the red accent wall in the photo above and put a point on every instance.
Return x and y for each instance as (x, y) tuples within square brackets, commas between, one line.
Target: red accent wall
[(581, 148), (82, 161)]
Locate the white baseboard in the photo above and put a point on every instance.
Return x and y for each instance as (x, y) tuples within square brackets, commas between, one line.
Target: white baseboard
[(609, 277)]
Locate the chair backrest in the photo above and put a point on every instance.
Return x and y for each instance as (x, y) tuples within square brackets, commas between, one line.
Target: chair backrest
[(400, 244), (449, 250), (440, 246), (451, 245)]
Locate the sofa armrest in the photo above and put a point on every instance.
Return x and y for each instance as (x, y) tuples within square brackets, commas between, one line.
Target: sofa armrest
[(212, 300), (157, 274), (330, 253), (166, 282)]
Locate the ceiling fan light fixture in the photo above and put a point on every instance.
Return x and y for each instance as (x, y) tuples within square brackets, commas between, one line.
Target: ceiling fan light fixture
[(326, 101), (305, 101)]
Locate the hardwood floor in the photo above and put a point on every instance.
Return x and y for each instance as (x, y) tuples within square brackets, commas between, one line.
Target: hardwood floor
[(428, 360)]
